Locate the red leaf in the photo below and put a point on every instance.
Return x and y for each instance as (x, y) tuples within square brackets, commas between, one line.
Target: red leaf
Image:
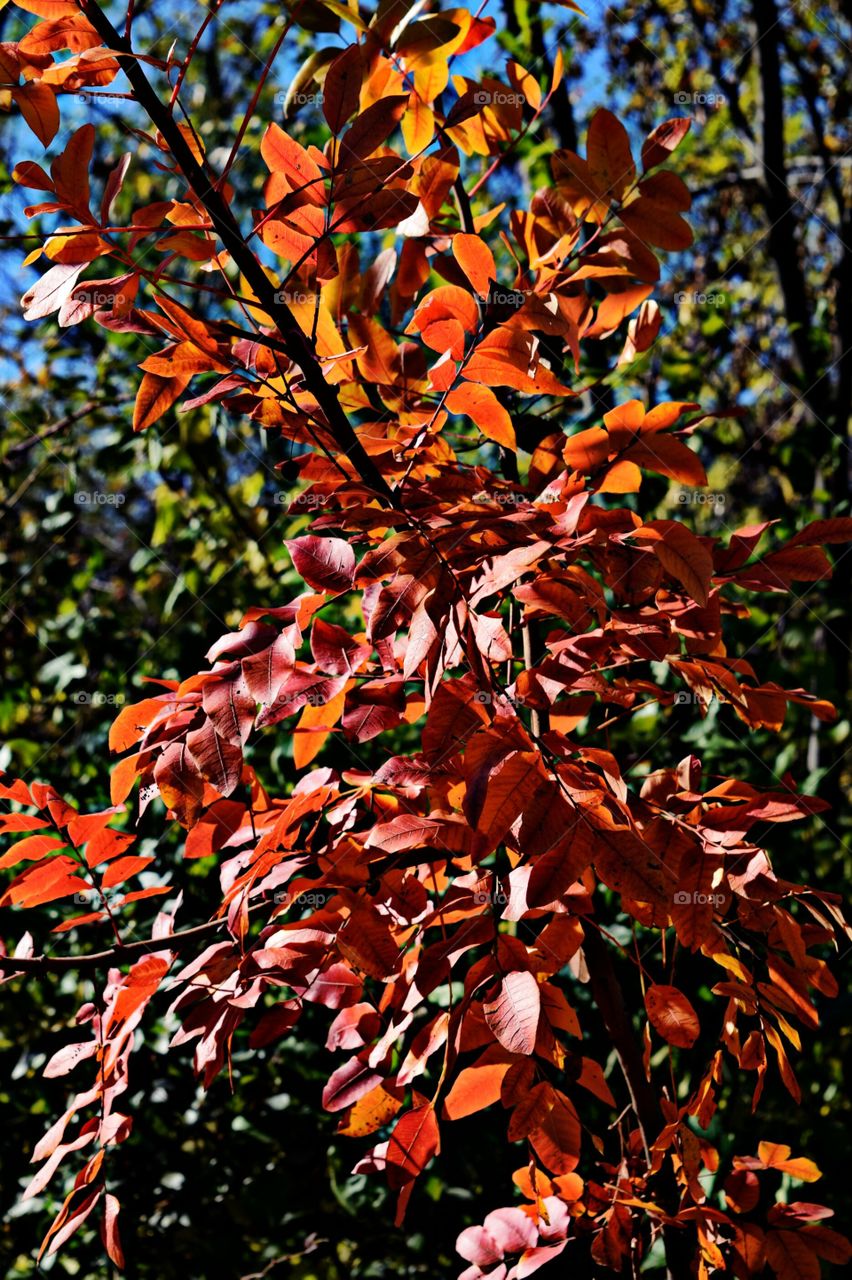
[(610, 161), (662, 141), (109, 1231), (326, 564), (349, 1083), (513, 1014), (672, 1016), (219, 761), (414, 1141), (684, 557), (341, 90), (656, 223), (227, 702), (371, 128)]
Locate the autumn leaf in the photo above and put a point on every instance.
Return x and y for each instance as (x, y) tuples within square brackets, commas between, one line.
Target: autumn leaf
[(40, 110), (672, 1016), (155, 396), (476, 261), (327, 564), (514, 1012), (610, 162), (481, 405)]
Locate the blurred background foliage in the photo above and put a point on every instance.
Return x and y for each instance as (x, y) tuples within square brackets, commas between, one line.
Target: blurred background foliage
[(124, 557)]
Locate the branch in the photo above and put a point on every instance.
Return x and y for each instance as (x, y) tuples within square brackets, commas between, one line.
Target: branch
[(609, 998), (299, 348), (101, 959), (55, 427)]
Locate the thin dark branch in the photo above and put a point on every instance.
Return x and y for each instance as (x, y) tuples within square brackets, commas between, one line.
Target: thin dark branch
[(104, 959), (298, 346)]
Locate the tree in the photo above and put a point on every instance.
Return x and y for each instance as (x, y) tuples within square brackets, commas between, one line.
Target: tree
[(465, 876)]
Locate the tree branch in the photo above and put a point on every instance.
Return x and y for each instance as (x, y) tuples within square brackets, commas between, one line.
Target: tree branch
[(298, 345), (103, 959), (609, 998)]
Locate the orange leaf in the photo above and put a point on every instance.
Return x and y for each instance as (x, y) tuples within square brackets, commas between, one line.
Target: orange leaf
[(30, 849), (119, 871), (587, 450), (481, 404), (775, 1155), (376, 1109), (122, 778), (48, 881), (789, 1257), (40, 110), (418, 125), (131, 722), (479, 1085), (155, 396), (668, 457), (510, 358), (314, 726), (284, 155), (476, 261), (49, 8)]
